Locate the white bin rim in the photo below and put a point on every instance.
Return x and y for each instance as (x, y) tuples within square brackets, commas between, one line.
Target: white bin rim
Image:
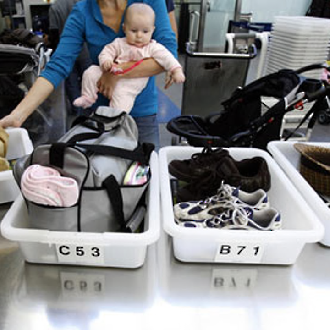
[(313, 235), (147, 237)]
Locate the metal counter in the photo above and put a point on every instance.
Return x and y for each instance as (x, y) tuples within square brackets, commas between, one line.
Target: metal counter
[(164, 293)]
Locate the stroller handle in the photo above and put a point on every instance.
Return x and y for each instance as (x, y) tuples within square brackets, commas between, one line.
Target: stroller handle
[(313, 67)]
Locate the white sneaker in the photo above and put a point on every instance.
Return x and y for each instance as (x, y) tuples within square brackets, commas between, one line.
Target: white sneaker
[(243, 218), (257, 199), (232, 209), (227, 197)]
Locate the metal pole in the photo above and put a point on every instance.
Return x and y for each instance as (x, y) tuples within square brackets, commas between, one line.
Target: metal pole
[(238, 10), (201, 28)]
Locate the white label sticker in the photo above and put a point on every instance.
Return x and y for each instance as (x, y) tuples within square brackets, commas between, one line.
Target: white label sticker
[(240, 252), (80, 254)]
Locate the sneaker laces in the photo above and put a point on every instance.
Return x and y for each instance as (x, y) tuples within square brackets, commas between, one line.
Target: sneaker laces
[(241, 215), (225, 191), (234, 216)]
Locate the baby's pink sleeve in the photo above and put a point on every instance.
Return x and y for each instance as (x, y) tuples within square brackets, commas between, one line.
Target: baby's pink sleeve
[(163, 57), (109, 52)]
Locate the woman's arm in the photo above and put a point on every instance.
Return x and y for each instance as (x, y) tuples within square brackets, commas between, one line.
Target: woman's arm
[(147, 68), (39, 92), (68, 49), (172, 18)]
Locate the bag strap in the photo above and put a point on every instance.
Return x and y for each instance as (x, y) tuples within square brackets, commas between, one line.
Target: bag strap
[(140, 154), (98, 122), (56, 154), (116, 199), (83, 137)]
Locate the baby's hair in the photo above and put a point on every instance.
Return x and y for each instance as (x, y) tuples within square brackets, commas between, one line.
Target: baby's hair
[(139, 7)]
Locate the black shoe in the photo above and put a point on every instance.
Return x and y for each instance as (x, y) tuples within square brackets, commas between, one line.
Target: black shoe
[(249, 175), (199, 164), (253, 175)]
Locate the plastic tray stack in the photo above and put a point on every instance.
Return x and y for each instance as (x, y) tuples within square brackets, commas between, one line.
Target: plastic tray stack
[(297, 41)]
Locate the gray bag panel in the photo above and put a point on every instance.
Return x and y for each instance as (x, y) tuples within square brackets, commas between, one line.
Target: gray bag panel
[(52, 218), (94, 211), (110, 119), (120, 131), (102, 166), (98, 212), (75, 163)]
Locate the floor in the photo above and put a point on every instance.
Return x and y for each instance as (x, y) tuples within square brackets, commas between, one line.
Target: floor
[(169, 107)]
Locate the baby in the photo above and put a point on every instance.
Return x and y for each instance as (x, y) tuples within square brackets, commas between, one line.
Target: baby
[(138, 45)]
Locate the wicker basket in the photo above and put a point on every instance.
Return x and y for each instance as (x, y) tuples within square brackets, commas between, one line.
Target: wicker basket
[(315, 166)]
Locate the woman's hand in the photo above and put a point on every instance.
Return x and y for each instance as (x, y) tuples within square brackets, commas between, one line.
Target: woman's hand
[(38, 93), (107, 83), (108, 80), (168, 80), (11, 120)]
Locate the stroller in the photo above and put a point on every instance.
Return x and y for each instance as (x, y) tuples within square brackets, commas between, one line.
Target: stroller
[(245, 120), (22, 57)]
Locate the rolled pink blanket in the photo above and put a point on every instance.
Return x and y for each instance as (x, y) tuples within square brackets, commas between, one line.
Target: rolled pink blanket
[(45, 185)]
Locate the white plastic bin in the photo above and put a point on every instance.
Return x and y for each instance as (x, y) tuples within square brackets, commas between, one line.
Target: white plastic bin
[(300, 224), (288, 158), (19, 145), (109, 249)]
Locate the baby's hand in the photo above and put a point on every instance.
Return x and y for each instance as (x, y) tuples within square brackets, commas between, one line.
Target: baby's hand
[(178, 76), (107, 65)]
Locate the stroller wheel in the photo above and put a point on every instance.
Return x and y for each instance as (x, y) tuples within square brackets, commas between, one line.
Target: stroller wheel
[(324, 118)]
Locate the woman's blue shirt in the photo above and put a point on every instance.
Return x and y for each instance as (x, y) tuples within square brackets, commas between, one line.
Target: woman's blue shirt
[(85, 24)]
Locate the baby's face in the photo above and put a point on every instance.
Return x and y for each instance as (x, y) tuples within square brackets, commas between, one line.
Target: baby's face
[(139, 28)]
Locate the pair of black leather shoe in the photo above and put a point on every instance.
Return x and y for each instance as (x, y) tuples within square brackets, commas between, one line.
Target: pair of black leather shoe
[(205, 171)]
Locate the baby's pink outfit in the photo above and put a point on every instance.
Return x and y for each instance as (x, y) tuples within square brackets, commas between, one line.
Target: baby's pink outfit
[(45, 185), (126, 89)]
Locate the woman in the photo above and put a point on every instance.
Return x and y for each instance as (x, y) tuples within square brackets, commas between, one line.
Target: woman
[(98, 22)]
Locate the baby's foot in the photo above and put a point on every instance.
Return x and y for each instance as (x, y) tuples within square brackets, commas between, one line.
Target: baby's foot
[(83, 102)]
